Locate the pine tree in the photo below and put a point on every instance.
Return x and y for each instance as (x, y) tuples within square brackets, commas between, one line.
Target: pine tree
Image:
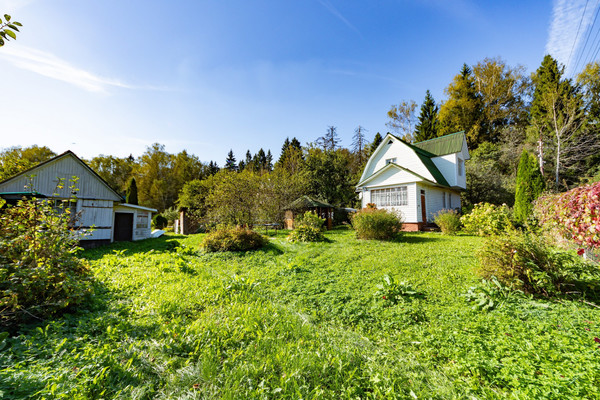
[(269, 163), (529, 185), (427, 128), (359, 144), (131, 195), (230, 162), (376, 142)]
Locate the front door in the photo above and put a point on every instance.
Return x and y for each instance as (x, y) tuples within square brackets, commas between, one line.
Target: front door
[(423, 208), (123, 227)]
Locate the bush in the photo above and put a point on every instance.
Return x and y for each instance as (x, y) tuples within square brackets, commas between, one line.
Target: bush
[(526, 262), (574, 214), (233, 239), (159, 222), (40, 273), (487, 219), (448, 221), (377, 224), (309, 228)]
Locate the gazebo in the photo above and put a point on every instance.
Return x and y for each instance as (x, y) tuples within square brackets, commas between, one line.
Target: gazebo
[(304, 204)]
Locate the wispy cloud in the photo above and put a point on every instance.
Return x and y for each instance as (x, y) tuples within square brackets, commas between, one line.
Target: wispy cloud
[(338, 15), (563, 40), (51, 66)]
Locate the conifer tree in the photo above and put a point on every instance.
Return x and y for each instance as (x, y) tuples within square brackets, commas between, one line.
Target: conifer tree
[(376, 142), (427, 128), (230, 162), (529, 185), (131, 194), (269, 163)]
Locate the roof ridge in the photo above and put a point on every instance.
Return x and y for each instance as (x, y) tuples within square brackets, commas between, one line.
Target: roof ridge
[(440, 137)]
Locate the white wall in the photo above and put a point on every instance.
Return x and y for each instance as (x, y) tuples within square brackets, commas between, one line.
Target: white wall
[(142, 221), (96, 215), (434, 200), (447, 166), (408, 212)]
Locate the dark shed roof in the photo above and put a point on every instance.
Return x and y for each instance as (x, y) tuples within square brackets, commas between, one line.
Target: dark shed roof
[(307, 202)]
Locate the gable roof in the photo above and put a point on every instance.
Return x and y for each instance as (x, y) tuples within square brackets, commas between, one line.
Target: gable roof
[(65, 154), (443, 145), (307, 202), (394, 165)]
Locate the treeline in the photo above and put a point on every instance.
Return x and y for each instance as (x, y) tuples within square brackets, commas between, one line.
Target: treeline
[(502, 109)]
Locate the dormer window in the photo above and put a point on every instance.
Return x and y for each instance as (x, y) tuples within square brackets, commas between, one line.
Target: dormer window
[(390, 160)]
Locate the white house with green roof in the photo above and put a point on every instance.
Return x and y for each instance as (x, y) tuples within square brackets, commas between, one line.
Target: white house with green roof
[(417, 180)]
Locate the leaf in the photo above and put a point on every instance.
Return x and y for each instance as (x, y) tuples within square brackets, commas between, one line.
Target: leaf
[(17, 23), (1, 42), (7, 17), (10, 33), (11, 26)]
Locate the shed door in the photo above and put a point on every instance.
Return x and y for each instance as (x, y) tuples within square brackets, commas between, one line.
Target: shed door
[(423, 209), (123, 227)]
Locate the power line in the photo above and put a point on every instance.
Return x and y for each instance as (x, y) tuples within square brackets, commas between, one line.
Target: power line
[(577, 35), (589, 33)]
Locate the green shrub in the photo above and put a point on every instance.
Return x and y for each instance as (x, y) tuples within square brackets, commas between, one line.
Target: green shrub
[(233, 239), (159, 221), (377, 224), (40, 273), (448, 221), (487, 219), (526, 262), (309, 228)]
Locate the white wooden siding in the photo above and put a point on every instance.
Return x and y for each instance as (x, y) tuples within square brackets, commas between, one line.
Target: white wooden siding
[(404, 156), (47, 177), (139, 217), (447, 166), (393, 176), (434, 200)]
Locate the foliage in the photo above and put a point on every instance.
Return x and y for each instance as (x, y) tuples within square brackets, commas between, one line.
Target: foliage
[(526, 262), (159, 221), (328, 176), (116, 171), (171, 214), (15, 160), (491, 294), (530, 184), (448, 221), (330, 141), (308, 228), (402, 119), (395, 292), (230, 162), (7, 29), (427, 127), (233, 239), (40, 273), (574, 214), (486, 219), (376, 224), (131, 194)]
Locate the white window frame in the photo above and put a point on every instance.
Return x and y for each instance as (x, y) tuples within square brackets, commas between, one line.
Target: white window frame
[(390, 160), (460, 167), (390, 197)]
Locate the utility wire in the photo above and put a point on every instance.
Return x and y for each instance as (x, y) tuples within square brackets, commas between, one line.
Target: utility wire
[(589, 33), (577, 35)]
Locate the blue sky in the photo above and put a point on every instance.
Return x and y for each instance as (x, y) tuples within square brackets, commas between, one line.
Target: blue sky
[(113, 77)]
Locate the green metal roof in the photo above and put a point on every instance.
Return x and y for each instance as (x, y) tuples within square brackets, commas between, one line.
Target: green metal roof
[(425, 157), (443, 145), (307, 202)]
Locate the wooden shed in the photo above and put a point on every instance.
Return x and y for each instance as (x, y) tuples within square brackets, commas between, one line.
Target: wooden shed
[(304, 204), (98, 206)]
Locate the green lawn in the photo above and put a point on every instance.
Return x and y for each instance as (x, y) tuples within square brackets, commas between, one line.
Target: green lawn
[(302, 321)]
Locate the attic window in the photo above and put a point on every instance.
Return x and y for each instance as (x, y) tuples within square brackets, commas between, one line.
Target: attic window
[(390, 142), (390, 160)]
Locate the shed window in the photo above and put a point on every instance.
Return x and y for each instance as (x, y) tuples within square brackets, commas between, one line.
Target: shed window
[(390, 197), (390, 160)]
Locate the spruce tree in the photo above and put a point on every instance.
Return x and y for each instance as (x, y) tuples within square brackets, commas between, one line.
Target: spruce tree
[(230, 162), (427, 128), (529, 185), (376, 142), (131, 195)]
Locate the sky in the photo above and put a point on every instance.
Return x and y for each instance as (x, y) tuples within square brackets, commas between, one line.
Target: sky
[(113, 76)]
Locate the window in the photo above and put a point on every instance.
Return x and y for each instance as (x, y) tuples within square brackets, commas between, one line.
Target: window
[(390, 197), (390, 160), (450, 200), (460, 167), (443, 200)]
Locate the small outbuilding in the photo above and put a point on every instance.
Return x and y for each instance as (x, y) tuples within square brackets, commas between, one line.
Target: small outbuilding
[(98, 206), (307, 203)]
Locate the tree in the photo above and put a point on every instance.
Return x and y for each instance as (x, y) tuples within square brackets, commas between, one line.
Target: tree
[(232, 198), (427, 128), (15, 160), (529, 185), (463, 109), (329, 176), (213, 168), (359, 144), (156, 186), (230, 164), (376, 142), (330, 140), (115, 171), (131, 195), (403, 119), (291, 158), (5, 33)]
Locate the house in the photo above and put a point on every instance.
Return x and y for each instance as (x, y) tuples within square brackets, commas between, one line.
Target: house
[(98, 205), (418, 179)]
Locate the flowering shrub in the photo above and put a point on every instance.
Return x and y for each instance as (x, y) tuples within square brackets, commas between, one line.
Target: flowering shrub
[(574, 214), (372, 223), (40, 273), (487, 219), (233, 239), (448, 221)]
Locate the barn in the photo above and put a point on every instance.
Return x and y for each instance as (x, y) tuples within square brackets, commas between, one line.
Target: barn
[(98, 206)]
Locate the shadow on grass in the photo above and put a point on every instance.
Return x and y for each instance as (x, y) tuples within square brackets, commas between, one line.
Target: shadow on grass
[(412, 238), (165, 243)]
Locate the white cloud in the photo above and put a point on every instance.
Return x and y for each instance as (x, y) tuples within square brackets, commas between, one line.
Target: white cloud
[(563, 41), (49, 65)]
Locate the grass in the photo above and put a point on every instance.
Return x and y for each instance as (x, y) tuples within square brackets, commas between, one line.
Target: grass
[(302, 320)]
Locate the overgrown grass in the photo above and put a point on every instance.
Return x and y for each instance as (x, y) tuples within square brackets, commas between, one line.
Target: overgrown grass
[(305, 321)]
